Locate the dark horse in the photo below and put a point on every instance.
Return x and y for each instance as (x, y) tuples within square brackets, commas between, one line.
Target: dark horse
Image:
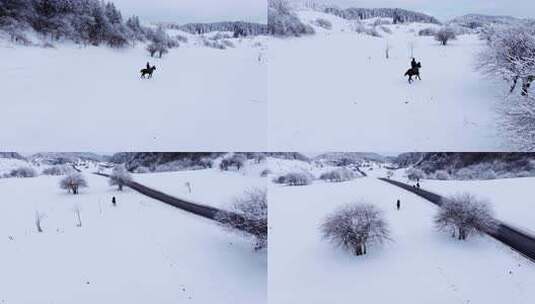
[(414, 71), (148, 71)]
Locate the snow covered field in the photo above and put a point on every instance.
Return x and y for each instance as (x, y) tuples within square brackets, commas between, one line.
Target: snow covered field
[(200, 99), (420, 265), (141, 251), (337, 89)]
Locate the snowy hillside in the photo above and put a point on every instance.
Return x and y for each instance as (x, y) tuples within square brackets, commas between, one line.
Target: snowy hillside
[(419, 265), (337, 89), (139, 251)]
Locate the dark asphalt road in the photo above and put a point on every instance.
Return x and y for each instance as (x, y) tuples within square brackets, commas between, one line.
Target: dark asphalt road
[(197, 209), (518, 240)]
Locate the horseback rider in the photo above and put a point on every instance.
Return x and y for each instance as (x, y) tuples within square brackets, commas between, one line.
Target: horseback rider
[(414, 64), (148, 65)]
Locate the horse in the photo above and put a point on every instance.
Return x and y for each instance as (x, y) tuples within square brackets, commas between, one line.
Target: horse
[(148, 71), (415, 71)]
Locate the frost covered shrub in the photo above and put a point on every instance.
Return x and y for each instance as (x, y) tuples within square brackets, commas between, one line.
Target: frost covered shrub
[(119, 177), (213, 44), (294, 179), (58, 170), (181, 38), (23, 172), (463, 215), (220, 36), (445, 34), (355, 227), (415, 174), (381, 21), (235, 161), (252, 211), (441, 175), (73, 182), (141, 169), (283, 22), (323, 23), (427, 32), (361, 28), (157, 48), (338, 175), (265, 173), (386, 29), (227, 43)]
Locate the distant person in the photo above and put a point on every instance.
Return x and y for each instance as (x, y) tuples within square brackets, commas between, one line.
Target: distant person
[(114, 201), (414, 64), (148, 65), (398, 204), (418, 185)]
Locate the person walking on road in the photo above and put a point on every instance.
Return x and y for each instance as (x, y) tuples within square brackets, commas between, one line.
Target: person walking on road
[(114, 201), (398, 204)]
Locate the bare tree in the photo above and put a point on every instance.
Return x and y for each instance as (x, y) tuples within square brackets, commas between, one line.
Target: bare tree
[(120, 177), (445, 34), (77, 216), (415, 174), (354, 227), (38, 217), (73, 182), (249, 215), (463, 215), (294, 179)]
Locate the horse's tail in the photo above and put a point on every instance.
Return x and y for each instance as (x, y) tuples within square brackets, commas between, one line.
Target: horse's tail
[(407, 73)]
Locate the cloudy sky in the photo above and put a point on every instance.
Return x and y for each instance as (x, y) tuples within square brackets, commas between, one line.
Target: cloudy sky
[(183, 11), (443, 9)]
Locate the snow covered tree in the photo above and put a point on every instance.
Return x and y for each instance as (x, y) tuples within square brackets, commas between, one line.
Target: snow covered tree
[(445, 34), (294, 179), (236, 160), (252, 207), (415, 174), (23, 172), (283, 22), (338, 175), (354, 227), (119, 177), (463, 215), (511, 55), (73, 182)]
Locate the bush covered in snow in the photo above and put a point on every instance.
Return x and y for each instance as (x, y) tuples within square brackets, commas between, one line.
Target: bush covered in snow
[(283, 22), (73, 182), (385, 29), (427, 32), (23, 172), (265, 172), (463, 215), (445, 34), (361, 28), (120, 177), (141, 169), (441, 175), (58, 170), (252, 207), (338, 175), (294, 179), (415, 174), (236, 161), (355, 227), (323, 23)]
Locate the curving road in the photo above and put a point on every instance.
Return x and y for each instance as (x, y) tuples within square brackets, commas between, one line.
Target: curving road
[(212, 213), (521, 241)]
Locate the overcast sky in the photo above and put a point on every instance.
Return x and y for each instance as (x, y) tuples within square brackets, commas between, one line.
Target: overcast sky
[(444, 10), (184, 11)]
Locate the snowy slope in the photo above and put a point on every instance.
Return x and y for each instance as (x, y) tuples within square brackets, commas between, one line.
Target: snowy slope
[(421, 265), (337, 89), (8, 164), (141, 251), (199, 99)]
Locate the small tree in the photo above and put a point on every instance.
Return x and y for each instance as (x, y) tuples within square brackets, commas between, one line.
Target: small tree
[(252, 211), (73, 182), (120, 177), (354, 227), (463, 214), (236, 160), (415, 174), (445, 34)]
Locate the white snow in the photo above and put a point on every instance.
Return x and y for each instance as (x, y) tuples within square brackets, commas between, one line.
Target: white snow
[(200, 99), (141, 251), (336, 89), (420, 265)]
